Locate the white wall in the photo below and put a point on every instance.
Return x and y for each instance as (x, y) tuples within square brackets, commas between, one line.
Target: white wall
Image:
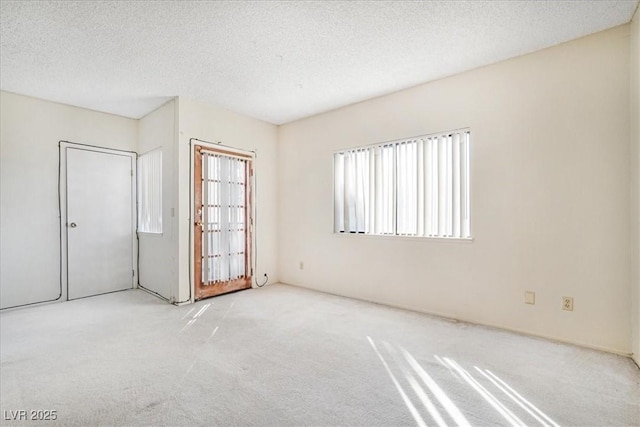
[(635, 180), (198, 120), (158, 259), (29, 221), (550, 197)]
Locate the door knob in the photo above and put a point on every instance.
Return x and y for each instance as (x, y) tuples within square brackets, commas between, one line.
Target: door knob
[(73, 225)]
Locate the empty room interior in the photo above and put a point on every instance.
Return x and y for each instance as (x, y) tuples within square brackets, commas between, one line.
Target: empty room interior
[(320, 213)]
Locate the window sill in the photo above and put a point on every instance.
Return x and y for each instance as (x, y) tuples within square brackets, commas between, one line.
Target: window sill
[(407, 238), (150, 234)]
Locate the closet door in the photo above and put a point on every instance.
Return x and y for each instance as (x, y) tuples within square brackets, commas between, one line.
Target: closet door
[(99, 222)]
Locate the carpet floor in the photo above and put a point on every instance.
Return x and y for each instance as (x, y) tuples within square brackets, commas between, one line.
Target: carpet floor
[(287, 356)]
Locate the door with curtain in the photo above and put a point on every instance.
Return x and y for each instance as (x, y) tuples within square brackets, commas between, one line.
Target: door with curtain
[(223, 221)]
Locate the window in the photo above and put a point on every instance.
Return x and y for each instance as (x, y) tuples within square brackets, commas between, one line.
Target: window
[(414, 187), (150, 192)]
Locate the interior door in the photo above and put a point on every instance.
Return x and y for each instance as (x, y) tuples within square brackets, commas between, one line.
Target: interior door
[(222, 222), (99, 222)]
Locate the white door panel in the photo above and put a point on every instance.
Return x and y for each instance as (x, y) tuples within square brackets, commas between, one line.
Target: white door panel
[(99, 222)]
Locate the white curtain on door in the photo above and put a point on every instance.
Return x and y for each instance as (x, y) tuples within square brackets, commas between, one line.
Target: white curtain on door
[(224, 229)]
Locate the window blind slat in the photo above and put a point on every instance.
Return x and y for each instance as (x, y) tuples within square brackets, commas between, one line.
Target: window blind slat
[(339, 192), (449, 167), (456, 186), (420, 188), (466, 195)]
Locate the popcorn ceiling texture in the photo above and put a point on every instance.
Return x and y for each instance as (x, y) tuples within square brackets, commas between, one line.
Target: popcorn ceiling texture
[(276, 61)]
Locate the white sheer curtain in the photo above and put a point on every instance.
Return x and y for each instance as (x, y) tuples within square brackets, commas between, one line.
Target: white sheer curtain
[(407, 188), (150, 192), (385, 182), (224, 240), (416, 187), (446, 159), (352, 183)]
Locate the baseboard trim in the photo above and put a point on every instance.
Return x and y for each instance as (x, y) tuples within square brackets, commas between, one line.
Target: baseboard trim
[(473, 322)]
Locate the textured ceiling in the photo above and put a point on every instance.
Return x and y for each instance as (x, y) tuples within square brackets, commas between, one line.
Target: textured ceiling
[(277, 61)]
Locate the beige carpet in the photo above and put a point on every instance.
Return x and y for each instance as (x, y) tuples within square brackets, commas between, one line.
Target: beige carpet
[(287, 356)]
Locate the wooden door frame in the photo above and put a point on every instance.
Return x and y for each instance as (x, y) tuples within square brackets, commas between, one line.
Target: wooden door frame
[(233, 285)]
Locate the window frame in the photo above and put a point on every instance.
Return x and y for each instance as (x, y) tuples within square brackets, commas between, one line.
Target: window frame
[(139, 193), (396, 143)]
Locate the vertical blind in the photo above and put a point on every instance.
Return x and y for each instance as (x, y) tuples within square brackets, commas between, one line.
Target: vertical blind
[(414, 187), (223, 216), (150, 192)]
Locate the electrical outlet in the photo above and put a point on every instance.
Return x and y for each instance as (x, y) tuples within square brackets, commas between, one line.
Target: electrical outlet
[(567, 303), (301, 265), (529, 297)]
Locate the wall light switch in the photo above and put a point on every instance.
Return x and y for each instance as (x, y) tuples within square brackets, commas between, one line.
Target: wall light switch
[(529, 297)]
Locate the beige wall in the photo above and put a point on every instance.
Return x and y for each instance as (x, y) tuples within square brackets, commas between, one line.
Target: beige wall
[(550, 197), (29, 221), (31, 129), (635, 180), (158, 259), (550, 177), (198, 120)]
